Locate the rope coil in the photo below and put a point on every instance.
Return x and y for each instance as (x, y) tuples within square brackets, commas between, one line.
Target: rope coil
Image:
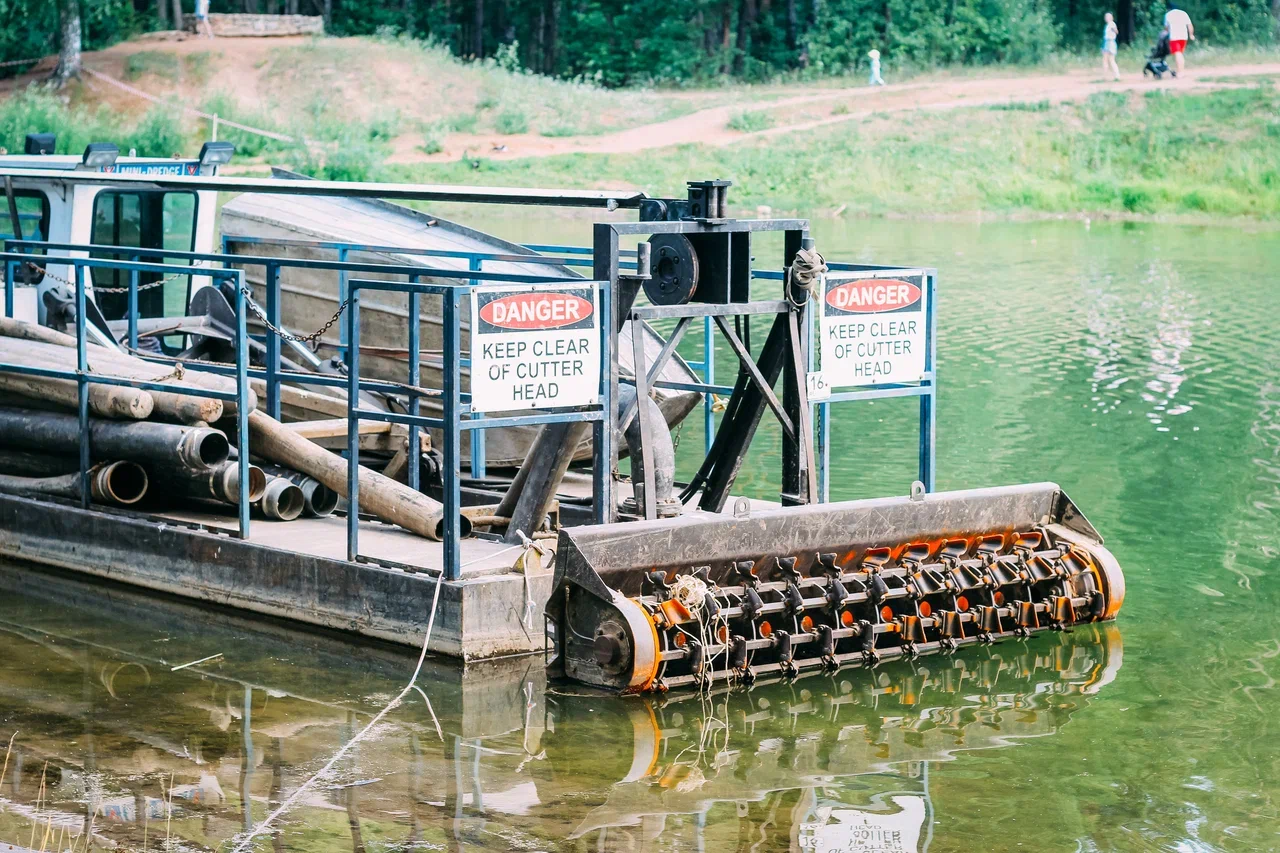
[(806, 273)]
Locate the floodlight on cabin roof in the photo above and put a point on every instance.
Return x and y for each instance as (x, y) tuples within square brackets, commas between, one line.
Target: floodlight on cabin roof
[(215, 154), (100, 154), (40, 143)]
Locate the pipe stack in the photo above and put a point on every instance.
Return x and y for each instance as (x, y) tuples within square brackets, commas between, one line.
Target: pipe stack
[(167, 438)]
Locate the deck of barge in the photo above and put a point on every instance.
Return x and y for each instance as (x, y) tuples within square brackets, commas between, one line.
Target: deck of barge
[(379, 543), (298, 571), (295, 570)]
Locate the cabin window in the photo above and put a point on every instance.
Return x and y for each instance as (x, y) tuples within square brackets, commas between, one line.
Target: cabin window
[(33, 217), (149, 219)]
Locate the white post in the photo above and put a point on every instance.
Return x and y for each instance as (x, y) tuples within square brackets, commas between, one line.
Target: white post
[(215, 127)]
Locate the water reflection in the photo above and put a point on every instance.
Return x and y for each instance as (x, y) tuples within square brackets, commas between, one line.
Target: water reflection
[(116, 746)]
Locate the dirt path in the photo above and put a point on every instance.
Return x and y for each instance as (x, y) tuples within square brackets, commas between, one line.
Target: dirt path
[(236, 66), (807, 110)]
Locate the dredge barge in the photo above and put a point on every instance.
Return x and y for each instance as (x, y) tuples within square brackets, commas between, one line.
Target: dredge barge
[(130, 341)]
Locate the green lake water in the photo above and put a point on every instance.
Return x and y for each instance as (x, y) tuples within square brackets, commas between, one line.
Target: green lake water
[(1136, 365)]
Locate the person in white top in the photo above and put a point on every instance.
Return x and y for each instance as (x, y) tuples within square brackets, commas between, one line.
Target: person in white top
[(1181, 31)]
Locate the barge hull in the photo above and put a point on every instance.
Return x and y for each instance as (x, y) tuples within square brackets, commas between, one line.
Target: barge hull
[(477, 618)]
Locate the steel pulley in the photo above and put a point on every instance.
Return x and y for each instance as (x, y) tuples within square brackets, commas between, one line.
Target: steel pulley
[(673, 276)]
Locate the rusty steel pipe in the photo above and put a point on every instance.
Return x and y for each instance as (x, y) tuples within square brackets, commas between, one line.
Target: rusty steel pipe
[(319, 500), (220, 483), (167, 445), (121, 483), (281, 500)]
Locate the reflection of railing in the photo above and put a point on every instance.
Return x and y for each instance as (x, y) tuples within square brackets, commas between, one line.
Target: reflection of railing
[(84, 377)]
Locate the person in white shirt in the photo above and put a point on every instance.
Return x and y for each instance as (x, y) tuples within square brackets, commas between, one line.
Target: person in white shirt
[(1109, 33), (1180, 32)]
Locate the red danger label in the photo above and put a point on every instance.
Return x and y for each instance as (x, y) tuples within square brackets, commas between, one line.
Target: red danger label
[(873, 295), (536, 311)]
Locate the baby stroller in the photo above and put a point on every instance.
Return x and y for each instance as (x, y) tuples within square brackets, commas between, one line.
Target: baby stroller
[(1156, 65)]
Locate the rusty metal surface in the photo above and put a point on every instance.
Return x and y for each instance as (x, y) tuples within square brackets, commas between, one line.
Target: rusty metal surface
[(619, 554)]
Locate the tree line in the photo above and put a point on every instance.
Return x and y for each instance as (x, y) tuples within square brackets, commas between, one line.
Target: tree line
[(628, 42)]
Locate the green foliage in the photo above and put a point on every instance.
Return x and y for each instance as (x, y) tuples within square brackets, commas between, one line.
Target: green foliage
[(561, 130), (976, 32), (1023, 106), (750, 121), (639, 42), (29, 28), (511, 121), (159, 133), (462, 123), (432, 139), (247, 144)]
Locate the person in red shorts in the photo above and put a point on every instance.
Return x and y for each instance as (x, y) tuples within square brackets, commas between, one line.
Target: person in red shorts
[(1180, 32)]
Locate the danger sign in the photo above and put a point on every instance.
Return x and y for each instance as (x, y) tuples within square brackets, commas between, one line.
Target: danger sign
[(534, 347), (873, 328)]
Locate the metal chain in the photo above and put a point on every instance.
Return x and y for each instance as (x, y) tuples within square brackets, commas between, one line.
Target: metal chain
[(313, 338), (97, 289)]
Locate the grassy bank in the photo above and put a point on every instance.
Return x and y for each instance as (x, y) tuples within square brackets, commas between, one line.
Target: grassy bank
[(1156, 153), (1159, 152)]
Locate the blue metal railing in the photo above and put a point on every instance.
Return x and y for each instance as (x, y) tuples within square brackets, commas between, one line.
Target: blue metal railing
[(456, 417), (84, 377), (820, 412), (458, 281)]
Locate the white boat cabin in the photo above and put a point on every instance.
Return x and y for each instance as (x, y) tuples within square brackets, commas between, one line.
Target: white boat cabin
[(58, 209)]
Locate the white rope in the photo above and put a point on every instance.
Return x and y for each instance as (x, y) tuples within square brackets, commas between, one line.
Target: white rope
[(119, 84), (689, 592), (19, 62)]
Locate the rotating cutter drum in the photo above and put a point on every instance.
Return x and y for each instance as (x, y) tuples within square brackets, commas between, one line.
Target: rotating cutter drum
[(659, 604)]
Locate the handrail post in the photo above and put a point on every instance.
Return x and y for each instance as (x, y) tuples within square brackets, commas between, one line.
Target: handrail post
[(819, 412), (9, 295), (414, 453), (82, 384), (708, 376), (344, 334), (477, 435), (602, 430), (242, 403), (353, 425), (273, 341), (133, 305), (452, 434), (928, 407)]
